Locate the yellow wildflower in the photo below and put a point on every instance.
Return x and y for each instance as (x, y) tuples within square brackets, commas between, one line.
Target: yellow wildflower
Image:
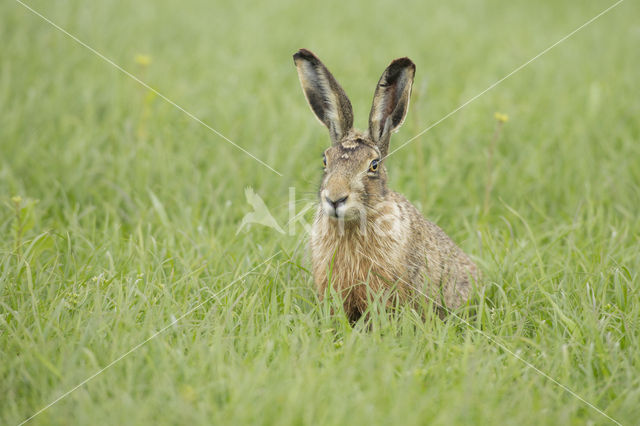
[(188, 393), (501, 117), (143, 60)]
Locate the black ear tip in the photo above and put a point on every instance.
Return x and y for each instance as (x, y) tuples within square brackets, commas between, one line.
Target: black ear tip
[(305, 54), (403, 63), (397, 67)]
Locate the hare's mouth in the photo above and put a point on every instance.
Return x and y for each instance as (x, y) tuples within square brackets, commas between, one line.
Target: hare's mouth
[(342, 207), (346, 212), (334, 212)]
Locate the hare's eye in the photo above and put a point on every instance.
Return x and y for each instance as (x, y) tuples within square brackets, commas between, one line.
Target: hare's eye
[(373, 167), (324, 161)]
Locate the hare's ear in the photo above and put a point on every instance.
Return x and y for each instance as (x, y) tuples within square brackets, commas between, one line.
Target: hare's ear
[(325, 96), (391, 101)]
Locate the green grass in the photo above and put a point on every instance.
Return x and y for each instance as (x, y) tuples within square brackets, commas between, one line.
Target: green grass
[(129, 210)]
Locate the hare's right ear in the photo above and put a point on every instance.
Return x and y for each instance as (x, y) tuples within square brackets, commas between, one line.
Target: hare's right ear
[(325, 96), (391, 101)]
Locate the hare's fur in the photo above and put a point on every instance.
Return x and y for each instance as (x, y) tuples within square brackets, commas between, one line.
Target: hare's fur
[(373, 242)]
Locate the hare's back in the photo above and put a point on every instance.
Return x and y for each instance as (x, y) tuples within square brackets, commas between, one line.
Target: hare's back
[(442, 263)]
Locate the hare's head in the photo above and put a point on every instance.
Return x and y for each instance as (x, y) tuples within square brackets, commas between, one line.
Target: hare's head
[(354, 174)]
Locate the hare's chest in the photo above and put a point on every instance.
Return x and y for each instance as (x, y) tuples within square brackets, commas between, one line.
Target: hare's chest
[(346, 261)]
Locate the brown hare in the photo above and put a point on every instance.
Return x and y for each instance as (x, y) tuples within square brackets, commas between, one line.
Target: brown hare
[(366, 240)]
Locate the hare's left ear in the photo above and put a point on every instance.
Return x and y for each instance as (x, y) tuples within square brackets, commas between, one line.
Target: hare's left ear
[(325, 96), (391, 101)]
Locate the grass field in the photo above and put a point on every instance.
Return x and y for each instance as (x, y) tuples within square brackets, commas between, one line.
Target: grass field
[(119, 214)]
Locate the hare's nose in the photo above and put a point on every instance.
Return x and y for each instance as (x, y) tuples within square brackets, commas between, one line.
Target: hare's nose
[(338, 202)]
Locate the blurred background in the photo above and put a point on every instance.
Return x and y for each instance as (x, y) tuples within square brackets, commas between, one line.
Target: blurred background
[(75, 128)]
